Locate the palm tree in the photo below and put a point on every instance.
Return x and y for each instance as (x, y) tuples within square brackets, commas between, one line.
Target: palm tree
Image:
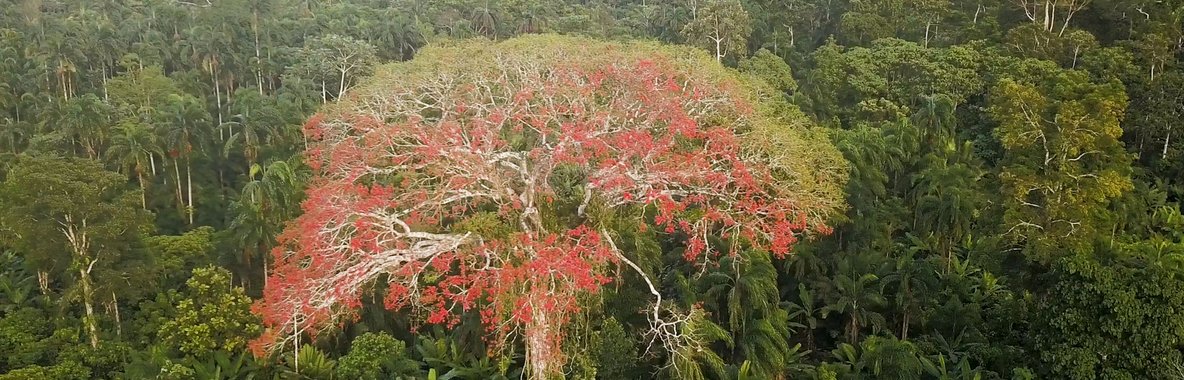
[(936, 119), (694, 359), (849, 356), (64, 49), (945, 370), (946, 202), (804, 262), (133, 146), (397, 36), (258, 7), (891, 358), (254, 124), (747, 283), (909, 279), (857, 296), (804, 313), (748, 287), (205, 45), (184, 116), (265, 204), (85, 119), (13, 134)]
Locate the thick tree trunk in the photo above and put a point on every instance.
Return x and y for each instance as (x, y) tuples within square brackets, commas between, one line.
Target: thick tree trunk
[(541, 352), (853, 329), (92, 327), (1047, 14)]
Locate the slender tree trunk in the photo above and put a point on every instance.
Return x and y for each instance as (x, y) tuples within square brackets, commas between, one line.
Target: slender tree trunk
[(270, 78), (189, 184), (949, 258), (927, 25), (62, 79), (810, 339), (258, 60), (341, 88), (118, 320), (180, 193), (1047, 14), (296, 341), (1166, 140), (903, 328), (143, 187), (775, 42), (1139, 152), (246, 280), (264, 271), (218, 100), (43, 282), (106, 97)]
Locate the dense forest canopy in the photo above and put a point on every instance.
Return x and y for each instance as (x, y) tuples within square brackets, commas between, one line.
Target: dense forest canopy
[(808, 189)]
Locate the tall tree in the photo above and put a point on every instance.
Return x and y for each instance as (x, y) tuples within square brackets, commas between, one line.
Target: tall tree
[(336, 62), (721, 26), (1063, 161), (54, 205), (474, 174)]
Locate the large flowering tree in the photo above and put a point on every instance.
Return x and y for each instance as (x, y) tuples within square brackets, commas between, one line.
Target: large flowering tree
[(445, 178)]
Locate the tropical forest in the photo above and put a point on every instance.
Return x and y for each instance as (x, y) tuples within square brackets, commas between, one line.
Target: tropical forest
[(591, 189)]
